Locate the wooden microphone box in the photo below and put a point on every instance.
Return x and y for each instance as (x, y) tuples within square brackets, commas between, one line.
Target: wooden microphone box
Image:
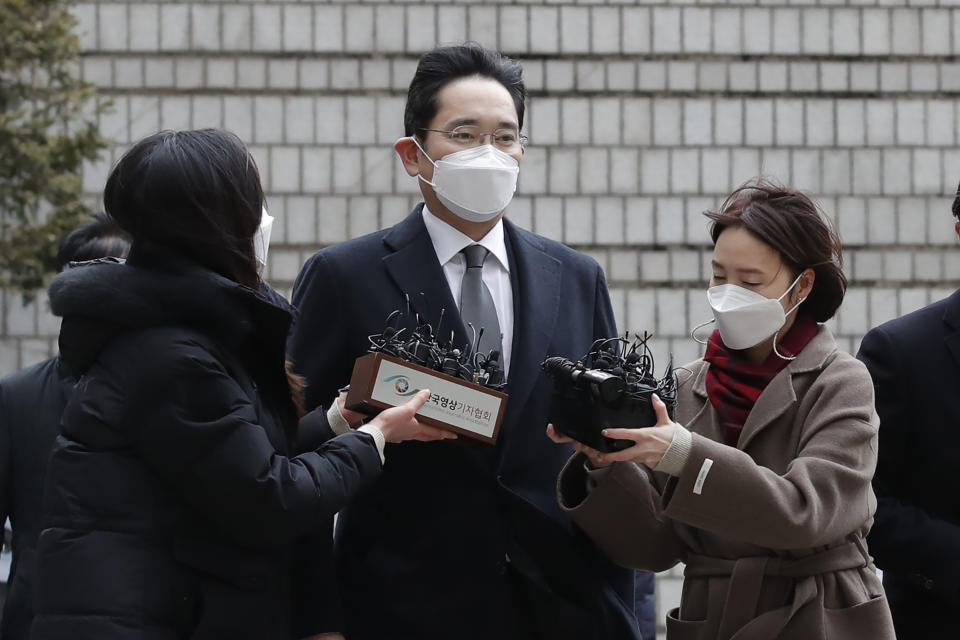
[(381, 381)]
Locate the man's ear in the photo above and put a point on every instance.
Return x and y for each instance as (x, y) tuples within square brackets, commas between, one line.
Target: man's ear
[(407, 149), (956, 227)]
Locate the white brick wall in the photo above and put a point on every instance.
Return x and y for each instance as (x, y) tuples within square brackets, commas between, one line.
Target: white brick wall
[(642, 114)]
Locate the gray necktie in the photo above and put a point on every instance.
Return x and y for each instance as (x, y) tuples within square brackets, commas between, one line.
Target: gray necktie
[(476, 303)]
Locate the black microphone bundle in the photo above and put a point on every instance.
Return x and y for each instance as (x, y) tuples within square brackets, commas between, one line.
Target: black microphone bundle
[(422, 346), (609, 387)]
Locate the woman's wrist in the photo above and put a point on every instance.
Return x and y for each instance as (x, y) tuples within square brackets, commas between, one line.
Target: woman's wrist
[(675, 457), (379, 439)]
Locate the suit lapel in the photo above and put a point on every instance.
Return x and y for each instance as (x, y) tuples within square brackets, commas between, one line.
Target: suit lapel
[(414, 267), (535, 278)]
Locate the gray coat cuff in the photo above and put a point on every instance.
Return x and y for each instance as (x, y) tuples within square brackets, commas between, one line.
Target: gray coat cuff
[(675, 457)]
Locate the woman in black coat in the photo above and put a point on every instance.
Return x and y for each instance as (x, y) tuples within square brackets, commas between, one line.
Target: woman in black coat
[(175, 507)]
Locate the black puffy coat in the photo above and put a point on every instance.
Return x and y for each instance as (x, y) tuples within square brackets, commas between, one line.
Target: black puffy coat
[(172, 507)]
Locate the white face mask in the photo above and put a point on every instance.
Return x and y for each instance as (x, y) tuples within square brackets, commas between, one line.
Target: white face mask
[(475, 184), (261, 238), (746, 318)]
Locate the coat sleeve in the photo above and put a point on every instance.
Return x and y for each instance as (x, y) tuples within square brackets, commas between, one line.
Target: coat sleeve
[(313, 430), (197, 429), (604, 324), (316, 346), (823, 495), (905, 538), (621, 514)]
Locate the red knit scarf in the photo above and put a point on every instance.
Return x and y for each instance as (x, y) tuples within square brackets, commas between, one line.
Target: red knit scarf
[(734, 383)]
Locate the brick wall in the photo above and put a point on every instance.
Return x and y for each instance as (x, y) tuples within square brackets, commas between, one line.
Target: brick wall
[(642, 114)]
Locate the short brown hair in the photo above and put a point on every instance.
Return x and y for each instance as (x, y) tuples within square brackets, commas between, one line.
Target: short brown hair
[(789, 222)]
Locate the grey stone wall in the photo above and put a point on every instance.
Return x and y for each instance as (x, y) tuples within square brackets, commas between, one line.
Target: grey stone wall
[(642, 115)]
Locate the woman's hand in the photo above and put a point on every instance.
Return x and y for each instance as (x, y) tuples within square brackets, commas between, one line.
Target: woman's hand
[(595, 456), (650, 442), (353, 418), (399, 423)]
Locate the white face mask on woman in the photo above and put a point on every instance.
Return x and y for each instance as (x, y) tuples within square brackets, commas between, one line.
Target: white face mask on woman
[(746, 318), (475, 184), (261, 238)]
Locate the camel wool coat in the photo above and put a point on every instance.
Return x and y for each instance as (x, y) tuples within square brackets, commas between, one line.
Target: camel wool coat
[(772, 531)]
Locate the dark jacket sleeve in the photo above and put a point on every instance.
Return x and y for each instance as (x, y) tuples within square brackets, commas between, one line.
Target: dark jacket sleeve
[(198, 430), (314, 430), (316, 345), (905, 538), (604, 324)]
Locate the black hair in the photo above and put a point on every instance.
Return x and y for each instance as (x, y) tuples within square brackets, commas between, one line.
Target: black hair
[(100, 238), (195, 193), (443, 65), (789, 222)]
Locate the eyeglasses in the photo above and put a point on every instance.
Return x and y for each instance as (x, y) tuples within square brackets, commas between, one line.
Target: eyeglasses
[(469, 135)]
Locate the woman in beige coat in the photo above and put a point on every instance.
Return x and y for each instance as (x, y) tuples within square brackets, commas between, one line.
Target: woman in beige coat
[(762, 486)]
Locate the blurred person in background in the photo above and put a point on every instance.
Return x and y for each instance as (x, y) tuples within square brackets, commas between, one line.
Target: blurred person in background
[(762, 486), (31, 402), (175, 505), (915, 364)]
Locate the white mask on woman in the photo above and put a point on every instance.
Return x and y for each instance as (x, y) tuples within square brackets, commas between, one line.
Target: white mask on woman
[(746, 318), (261, 238), (475, 184)]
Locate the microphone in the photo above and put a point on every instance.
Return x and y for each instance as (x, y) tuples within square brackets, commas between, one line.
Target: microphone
[(611, 386), (421, 344)]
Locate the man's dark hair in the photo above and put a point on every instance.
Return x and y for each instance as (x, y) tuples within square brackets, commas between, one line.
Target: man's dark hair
[(443, 65), (956, 204), (790, 223), (194, 193), (100, 238)]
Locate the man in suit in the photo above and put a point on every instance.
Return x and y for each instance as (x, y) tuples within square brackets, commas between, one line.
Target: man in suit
[(915, 364), (31, 402), (463, 539)]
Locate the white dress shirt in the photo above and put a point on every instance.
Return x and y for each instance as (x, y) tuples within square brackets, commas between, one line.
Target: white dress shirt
[(448, 242)]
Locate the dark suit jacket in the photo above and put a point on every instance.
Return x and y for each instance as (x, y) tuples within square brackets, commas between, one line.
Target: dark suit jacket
[(915, 365), (31, 402), (423, 555)]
